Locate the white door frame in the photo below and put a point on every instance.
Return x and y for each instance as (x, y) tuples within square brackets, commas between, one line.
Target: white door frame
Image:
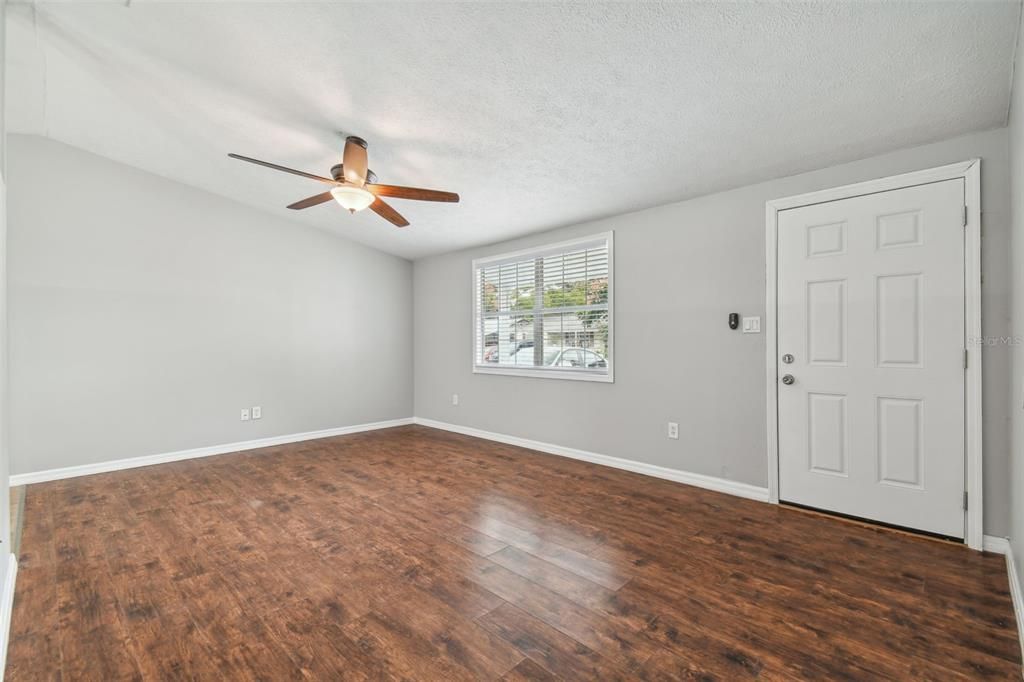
[(970, 171)]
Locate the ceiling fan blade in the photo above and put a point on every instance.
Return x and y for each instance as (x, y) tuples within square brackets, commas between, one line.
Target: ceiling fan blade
[(413, 193), (304, 174), (354, 160), (387, 213), (311, 201)]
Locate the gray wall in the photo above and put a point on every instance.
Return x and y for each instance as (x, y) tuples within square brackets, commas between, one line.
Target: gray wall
[(679, 270), (144, 314), (5, 491), (1015, 399)]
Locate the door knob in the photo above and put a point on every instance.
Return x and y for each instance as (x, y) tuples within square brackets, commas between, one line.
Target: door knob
[(788, 379)]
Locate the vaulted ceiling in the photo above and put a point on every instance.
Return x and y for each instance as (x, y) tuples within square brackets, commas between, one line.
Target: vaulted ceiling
[(538, 114)]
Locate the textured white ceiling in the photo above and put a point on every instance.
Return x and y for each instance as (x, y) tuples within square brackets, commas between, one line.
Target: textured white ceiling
[(539, 114)]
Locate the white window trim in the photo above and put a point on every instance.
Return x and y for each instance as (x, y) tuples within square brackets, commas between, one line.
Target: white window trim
[(537, 372)]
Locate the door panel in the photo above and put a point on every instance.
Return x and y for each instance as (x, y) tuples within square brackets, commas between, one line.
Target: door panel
[(871, 306), (827, 435), (900, 436), (826, 322), (898, 311)]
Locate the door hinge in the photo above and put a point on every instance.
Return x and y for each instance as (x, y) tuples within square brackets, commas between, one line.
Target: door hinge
[(965, 500), (965, 358), (965, 216)]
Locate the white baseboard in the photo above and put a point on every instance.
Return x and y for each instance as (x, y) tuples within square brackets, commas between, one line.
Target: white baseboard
[(999, 545), (6, 606), (147, 460), (721, 485), (1017, 595), (1002, 546), (995, 544)]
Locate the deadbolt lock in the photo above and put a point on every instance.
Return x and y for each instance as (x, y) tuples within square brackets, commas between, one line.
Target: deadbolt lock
[(788, 359)]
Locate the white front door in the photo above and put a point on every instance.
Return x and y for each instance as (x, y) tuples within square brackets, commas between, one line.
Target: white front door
[(871, 311)]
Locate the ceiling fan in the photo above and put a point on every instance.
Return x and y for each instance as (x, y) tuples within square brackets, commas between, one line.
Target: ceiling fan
[(355, 186)]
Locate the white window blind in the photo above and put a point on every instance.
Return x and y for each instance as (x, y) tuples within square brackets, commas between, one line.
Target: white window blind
[(546, 312)]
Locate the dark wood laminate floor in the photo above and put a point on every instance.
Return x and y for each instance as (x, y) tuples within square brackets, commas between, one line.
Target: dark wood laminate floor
[(418, 554)]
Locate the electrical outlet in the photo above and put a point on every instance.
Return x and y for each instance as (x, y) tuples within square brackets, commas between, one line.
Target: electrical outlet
[(257, 412), (455, 398), (245, 414), (673, 430)]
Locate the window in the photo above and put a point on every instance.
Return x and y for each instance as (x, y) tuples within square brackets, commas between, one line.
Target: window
[(545, 312)]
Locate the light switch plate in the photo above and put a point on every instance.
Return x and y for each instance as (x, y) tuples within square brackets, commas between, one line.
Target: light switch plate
[(257, 412), (245, 414), (751, 325)]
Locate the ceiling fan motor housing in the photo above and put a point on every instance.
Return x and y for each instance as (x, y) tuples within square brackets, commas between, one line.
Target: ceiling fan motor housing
[(338, 173)]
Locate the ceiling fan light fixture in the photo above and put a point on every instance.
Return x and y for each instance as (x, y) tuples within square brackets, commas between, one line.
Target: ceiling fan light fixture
[(352, 197)]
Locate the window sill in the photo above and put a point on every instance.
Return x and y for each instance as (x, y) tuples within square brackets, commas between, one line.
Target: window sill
[(546, 374)]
